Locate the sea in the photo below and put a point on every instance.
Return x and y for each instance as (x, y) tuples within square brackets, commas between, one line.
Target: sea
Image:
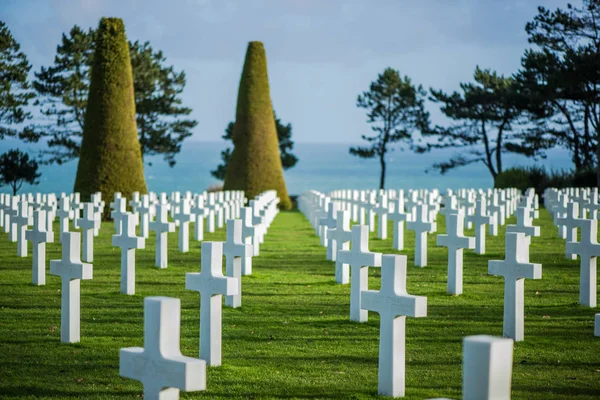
[(321, 166)]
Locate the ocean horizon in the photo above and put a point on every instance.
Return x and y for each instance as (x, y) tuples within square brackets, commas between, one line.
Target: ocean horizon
[(321, 166)]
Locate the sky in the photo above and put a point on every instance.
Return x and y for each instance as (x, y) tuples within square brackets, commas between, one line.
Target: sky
[(321, 53)]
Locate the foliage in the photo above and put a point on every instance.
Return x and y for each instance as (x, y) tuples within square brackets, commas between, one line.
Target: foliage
[(63, 90), (396, 109), (255, 164), (284, 137), (110, 158), (17, 168), (487, 115), (15, 92), (562, 78)]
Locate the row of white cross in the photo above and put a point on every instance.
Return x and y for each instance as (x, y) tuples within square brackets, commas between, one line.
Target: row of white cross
[(160, 367), (392, 301)]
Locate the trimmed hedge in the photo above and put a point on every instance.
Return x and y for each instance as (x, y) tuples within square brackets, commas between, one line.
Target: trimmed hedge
[(110, 160), (255, 164)]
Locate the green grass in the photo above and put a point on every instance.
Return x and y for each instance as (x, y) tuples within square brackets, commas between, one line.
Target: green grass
[(292, 338)]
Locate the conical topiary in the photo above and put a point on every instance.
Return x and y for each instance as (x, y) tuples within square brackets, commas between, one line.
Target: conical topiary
[(255, 164), (110, 159)]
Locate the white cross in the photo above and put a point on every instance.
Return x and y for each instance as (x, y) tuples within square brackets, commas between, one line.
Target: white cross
[(8, 201), (398, 217), (118, 213), (393, 304), (515, 268), (135, 202), (22, 220), (382, 211), (248, 233), (524, 224), (184, 218), (570, 223), (455, 241), (89, 224), (71, 270), (199, 212), (480, 219), (339, 237), (487, 368), (588, 250), (235, 251), (421, 226), (160, 366), (162, 227), (49, 206), (75, 206), (39, 236), (128, 242), (144, 210), (212, 285), (64, 214), (359, 258), (325, 224)]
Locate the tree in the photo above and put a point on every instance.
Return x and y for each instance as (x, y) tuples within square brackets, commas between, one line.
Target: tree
[(63, 89), (110, 157), (16, 168), (255, 164), (15, 92), (286, 145), (396, 108), (487, 114), (562, 78)]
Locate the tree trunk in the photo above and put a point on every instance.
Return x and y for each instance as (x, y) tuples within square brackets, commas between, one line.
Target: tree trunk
[(382, 177)]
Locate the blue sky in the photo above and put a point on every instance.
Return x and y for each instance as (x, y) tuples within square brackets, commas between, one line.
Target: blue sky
[(321, 53)]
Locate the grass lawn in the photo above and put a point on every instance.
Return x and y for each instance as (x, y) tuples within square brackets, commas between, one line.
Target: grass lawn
[(292, 338)]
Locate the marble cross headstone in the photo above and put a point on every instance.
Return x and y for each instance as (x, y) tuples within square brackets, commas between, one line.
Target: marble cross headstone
[(338, 239), (421, 226), (160, 366), (325, 224), (487, 368), (588, 250), (524, 224), (184, 217), (199, 212), (455, 241), (64, 214), (162, 227), (382, 211), (118, 213), (359, 258), (398, 217), (212, 285), (89, 224), (144, 210), (248, 233), (235, 251), (480, 219), (39, 236), (128, 242), (569, 221), (393, 304), (515, 268), (72, 271), (22, 220)]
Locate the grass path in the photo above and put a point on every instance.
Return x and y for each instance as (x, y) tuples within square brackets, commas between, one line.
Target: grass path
[(292, 337)]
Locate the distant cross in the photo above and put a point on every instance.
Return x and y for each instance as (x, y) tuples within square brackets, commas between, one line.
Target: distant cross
[(480, 219), (64, 215), (39, 236), (455, 241), (588, 250), (71, 270), (49, 207), (359, 258), (22, 221), (212, 285), (325, 224), (524, 224), (75, 206), (235, 251), (339, 237), (199, 212), (88, 224), (570, 223), (184, 217), (145, 210), (421, 226), (487, 368), (128, 242), (393, 304), (118, 213), (160, 366), (135, 202), (382, 211), (162, 227), (515, 268), (398, 217), (247, 238), (259, 227)]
